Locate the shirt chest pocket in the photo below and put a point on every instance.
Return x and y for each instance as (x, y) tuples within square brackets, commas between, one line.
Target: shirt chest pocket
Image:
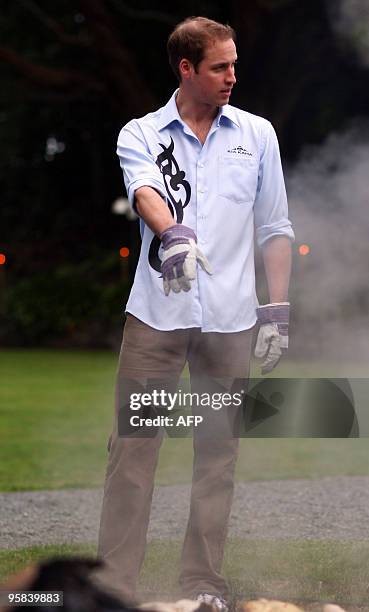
[(237, 178)]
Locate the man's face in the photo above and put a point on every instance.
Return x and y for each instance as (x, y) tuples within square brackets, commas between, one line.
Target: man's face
[(212, 83)]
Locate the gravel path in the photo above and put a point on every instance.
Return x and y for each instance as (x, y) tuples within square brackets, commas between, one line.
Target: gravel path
[(326, 508)]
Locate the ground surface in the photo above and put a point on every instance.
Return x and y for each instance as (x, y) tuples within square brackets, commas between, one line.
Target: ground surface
[(325, 508), (299, 528)]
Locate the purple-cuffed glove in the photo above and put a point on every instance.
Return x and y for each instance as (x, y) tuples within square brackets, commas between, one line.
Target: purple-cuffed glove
[(181, 255), (273, 334)]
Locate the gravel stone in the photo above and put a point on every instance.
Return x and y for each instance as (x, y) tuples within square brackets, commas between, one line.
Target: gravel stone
[(325, 508)]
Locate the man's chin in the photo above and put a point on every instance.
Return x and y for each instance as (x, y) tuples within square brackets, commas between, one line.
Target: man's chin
[(224, 99)]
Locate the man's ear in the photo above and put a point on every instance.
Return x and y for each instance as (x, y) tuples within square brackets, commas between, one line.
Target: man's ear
[(185, 68)]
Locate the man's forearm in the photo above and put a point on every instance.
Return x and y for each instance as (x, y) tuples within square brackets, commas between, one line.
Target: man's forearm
[(153, 210), (277, 255)]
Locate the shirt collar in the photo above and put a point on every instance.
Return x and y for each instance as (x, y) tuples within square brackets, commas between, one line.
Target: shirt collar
[(228, 112), (169, 113)]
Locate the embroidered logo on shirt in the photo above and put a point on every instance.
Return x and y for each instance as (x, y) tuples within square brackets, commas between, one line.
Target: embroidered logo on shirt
[(179, 194), (240, 151)]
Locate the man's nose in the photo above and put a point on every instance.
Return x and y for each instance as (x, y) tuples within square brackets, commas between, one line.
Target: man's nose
[(230, 76)]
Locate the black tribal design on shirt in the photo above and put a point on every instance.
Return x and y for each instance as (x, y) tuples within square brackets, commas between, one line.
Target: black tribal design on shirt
[(174, 180)]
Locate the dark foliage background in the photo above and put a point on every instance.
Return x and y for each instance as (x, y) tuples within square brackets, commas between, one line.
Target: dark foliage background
[(73, 72)]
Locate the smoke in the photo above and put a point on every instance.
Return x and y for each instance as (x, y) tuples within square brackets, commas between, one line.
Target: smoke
[(329, 204), (329, 207), (350, 20)]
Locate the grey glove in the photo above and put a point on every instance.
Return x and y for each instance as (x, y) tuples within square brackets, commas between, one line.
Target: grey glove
[(181, 255), (273, 334)]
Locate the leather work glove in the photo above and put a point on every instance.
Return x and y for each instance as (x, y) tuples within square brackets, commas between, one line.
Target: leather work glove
[(181, 255), (273, 334)]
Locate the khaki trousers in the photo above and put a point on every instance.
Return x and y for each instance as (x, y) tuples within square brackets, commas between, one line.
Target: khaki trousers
[(148, 353)]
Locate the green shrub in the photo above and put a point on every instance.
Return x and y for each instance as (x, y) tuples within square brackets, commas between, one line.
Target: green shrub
[(83, 302)]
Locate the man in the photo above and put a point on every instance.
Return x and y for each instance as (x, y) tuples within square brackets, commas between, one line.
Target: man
[(201, 174)]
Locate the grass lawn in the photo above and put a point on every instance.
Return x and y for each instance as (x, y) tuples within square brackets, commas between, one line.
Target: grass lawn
[(55, 418), (301, 571)]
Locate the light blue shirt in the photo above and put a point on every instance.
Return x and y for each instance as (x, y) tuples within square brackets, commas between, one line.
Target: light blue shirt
[(225, 189)]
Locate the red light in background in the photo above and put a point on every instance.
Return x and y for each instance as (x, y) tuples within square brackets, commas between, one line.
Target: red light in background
[(304, 249), (2, 259), (124, 252)]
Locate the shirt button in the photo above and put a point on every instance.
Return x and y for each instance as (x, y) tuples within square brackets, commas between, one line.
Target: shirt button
[(200, 165)]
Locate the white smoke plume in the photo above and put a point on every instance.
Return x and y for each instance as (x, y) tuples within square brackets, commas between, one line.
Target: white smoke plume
[(329, 206)]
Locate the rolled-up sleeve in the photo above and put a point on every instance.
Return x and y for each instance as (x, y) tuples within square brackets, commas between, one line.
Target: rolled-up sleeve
[(270, 207), (138, 165)]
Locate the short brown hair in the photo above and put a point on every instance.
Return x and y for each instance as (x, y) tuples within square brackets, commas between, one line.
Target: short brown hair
[(190, 38)]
